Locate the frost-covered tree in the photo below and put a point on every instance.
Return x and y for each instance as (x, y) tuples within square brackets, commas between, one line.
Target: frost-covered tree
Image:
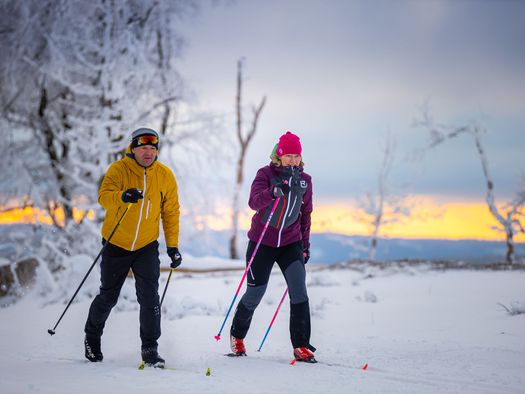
[(509, 216), (75, 78)]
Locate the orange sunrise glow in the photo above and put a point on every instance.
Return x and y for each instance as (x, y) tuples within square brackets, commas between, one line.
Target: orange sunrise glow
[(33, 215), (431, 219)]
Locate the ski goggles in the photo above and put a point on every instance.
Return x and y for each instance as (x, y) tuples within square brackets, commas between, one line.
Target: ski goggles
[(145, 140)]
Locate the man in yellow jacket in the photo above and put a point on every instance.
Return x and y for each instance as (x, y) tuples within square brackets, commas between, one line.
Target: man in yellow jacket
[(151, 189)]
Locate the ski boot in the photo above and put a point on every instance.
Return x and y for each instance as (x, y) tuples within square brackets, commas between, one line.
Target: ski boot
[(92, 349), (304, 354), (237, 346), (151, 358)]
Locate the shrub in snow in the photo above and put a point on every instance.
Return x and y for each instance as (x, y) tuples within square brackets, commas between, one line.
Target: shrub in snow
[(515, 308), (317, 309), (322, 281), (370, 297)]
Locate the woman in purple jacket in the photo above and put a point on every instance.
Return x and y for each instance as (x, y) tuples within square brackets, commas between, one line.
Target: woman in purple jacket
[(286, 241)]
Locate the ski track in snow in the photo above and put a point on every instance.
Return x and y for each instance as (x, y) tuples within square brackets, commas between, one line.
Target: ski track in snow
[(428, 332)]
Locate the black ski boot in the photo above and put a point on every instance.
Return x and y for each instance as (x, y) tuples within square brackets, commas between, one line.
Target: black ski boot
[(92, 349), (151, 358)]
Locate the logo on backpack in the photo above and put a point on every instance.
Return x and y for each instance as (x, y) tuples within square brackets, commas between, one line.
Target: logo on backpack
[(303, 184)]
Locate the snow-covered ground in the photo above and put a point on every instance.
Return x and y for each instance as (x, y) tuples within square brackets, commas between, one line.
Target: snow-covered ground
[(419, 331)]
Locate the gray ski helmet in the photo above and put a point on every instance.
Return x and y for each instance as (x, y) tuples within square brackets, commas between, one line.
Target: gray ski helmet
[(144, 131)]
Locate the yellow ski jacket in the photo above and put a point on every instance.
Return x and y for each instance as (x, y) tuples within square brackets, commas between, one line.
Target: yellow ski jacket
[(141, 224)]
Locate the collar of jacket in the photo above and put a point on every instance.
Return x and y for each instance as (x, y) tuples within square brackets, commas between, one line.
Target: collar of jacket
[(286, 172)]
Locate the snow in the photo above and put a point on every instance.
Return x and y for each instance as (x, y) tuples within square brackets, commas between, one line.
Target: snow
[(419, 331)]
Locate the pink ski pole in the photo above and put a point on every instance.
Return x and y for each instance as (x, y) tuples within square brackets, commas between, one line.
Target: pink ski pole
[(273, 319), (218, 336)]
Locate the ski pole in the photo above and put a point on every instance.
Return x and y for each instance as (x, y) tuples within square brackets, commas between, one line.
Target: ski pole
[(273, 319), (52, 331), (218, 336), (166, 287)]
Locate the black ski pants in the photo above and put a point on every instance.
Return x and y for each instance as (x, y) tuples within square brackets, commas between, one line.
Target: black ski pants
[(114, 267), (291, 262)]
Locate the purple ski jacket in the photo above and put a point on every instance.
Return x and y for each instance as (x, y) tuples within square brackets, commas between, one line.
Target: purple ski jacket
[(292, 218)]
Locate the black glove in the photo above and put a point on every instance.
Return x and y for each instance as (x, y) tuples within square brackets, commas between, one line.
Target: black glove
[(175, 256), (281, 189), (306, 255), (132, 195)]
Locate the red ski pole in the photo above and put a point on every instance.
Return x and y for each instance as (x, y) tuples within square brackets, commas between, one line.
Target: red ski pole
[(218, 336), (273, 319)]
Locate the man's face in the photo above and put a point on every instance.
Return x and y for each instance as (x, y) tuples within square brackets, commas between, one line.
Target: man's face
[(145, 155)]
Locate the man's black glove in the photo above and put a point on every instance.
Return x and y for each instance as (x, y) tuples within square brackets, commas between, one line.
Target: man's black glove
[(132, 195), (281, 189), (175, 256), (306, 255)]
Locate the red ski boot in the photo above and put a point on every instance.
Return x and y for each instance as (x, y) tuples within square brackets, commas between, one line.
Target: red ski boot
[(237, 346), (304, 354)]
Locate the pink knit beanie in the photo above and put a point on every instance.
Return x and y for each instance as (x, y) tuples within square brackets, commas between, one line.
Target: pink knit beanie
[(289, 144)]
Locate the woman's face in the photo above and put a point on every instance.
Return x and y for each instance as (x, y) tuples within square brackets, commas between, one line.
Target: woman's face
[(290, 160)]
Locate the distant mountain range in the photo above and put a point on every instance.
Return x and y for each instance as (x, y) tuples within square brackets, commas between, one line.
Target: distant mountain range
[(328, 248)]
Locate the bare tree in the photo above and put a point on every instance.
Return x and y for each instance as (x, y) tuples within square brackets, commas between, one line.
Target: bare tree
[(244, 140), (383, 207), (510, 214)]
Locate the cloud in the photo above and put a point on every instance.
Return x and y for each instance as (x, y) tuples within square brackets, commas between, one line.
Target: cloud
[(343, 73)]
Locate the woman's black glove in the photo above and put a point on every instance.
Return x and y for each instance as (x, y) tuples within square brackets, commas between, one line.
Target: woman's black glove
[(281, 189), (176, 258)]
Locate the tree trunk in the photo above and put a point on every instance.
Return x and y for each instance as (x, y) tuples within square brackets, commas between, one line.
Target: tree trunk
[(235, 221), (244, 141), (510, 247)]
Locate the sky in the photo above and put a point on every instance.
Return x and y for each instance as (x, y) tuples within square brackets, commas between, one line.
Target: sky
[(343, 74)]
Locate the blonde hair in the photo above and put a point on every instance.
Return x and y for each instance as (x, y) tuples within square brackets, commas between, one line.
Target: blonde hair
[(276, 160)]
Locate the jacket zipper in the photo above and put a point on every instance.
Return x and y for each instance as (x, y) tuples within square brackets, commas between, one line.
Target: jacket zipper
[(140, 215), (284, 218), (293, 205)]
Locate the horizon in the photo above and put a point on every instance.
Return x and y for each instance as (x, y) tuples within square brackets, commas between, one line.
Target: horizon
[(449, 215)]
